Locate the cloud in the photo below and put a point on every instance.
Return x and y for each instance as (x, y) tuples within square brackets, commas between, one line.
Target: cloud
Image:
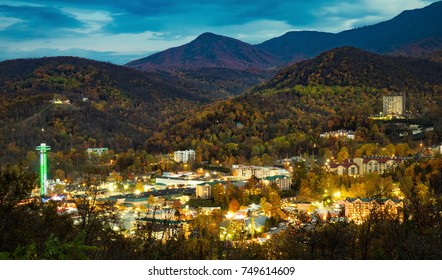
[(337, 16), (137, 27), (5, 22), (92, 21), (107, 47), (35, 22)]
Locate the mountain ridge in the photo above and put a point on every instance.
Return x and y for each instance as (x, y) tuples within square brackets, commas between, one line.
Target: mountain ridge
[(349, 66), (100, 104), (412, 33), (339, 89), (387, 37)]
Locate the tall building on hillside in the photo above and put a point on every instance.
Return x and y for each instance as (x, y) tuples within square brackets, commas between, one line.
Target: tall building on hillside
[(184, 156), (394, 105)]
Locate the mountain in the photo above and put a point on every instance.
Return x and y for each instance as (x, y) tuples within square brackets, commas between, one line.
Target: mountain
[(71, 102), (210, 61), (410, 33), (208, 51), (283, 117), (348, 66)]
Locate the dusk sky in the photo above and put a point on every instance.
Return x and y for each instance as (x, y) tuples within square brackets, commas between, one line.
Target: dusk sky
[(122, 30)]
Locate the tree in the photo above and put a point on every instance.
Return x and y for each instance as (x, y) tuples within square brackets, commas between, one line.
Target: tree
[(218, 194), (402, 149), (91, 211), (343, 154), (234, 205), (265, 206), (59, 174), (16, 184), (139, 186), (299, 173), (151, 200)]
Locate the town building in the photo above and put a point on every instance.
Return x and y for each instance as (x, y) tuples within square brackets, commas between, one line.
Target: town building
[(243, 172), (179, 181), (349, 134), (394, 105), (379, 164), (97, 151), (59, 101), (282, 181), (364, 165), (203, 191), (359, 209), (184, 156), (348, 167)]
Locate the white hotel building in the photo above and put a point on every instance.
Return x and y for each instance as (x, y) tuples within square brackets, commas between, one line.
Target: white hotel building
[(184, 156)]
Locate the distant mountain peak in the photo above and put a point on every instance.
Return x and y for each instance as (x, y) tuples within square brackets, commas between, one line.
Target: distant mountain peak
[(208, 50), (209, 38), (208, 35)]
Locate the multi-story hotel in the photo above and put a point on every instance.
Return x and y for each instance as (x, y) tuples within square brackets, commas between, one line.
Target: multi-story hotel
[(242, 172), (184, 156), (394, 105), (282, 181), (365, 165), (359, 209)]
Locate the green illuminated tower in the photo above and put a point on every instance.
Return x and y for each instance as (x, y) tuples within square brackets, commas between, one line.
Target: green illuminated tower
[(43, 168)]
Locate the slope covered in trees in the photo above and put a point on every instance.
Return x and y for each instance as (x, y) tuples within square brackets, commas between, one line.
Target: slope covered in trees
[(108, 105), (283, 117), (348, 66)]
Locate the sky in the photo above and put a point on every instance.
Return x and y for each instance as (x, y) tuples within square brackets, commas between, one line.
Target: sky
[(119, 31)]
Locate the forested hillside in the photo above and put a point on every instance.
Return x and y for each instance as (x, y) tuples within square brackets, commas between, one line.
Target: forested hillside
[(108, 105), (283, 117)]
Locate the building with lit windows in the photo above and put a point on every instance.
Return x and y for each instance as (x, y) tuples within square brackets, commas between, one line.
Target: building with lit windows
[(203, 191), (378, 164), (349, 134), (184, 156), (97, 151), (243, 172), (348, 167), (282, 181), (394, 105), (360, 209), (364, 165)]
